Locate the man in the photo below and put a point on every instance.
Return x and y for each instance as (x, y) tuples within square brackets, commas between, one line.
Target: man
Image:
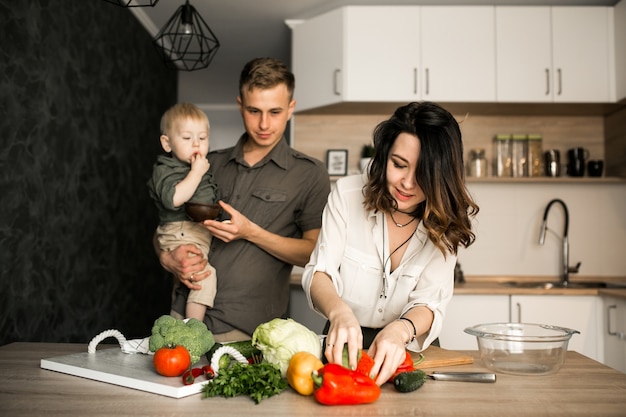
[(273, 198)]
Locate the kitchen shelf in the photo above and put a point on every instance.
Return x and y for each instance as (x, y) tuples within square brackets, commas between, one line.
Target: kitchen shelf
[(535, 180), (549, 180)]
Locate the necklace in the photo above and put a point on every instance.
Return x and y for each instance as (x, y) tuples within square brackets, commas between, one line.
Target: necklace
[(400, 224), (383, 292)]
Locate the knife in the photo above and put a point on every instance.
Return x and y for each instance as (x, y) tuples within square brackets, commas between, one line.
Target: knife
[(464, 376)]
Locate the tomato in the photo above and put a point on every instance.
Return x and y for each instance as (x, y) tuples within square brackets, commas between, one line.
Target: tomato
[(172, 361)]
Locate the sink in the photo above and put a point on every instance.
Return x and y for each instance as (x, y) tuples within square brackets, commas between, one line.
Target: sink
[(548, 285)]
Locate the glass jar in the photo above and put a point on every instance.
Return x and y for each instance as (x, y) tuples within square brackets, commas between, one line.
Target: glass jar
[(477, 164), (535, 152), (503, 155), (519, 153)]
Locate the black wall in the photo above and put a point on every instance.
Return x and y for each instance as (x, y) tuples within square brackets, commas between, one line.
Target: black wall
[(82, 91)]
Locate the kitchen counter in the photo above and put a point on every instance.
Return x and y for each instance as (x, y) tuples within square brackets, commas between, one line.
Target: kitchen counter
[(495, 285), (582, 387)]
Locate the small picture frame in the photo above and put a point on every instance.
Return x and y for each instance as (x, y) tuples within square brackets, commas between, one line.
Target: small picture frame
[(337, 162)]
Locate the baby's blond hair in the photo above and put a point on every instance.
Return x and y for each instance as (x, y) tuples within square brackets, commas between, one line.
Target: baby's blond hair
[(182, 111)]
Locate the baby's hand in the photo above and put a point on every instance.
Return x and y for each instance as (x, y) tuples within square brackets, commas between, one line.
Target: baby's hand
[(199, 163)]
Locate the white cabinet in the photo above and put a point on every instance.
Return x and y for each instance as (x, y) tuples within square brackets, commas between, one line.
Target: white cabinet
[(458, 54), (317, 58), (582, 313), (469, 310), (554, 54), (357, 54), (395, 54), (381, 57), (614, 331)]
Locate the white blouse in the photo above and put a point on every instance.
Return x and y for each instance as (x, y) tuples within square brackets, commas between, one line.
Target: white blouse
[(350, 250)]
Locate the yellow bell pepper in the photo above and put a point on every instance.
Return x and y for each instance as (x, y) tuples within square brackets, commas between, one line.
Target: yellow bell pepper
[(301, 365)]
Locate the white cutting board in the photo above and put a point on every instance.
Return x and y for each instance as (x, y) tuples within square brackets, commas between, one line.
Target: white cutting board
[(131, 370)]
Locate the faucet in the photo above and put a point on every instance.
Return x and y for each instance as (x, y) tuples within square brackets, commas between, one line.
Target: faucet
[(565, 268)]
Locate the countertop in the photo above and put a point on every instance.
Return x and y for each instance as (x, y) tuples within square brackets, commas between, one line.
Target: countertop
[(494, 285), (582, 387)]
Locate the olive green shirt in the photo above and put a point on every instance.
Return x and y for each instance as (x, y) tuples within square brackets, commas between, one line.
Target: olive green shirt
[(285, 193)]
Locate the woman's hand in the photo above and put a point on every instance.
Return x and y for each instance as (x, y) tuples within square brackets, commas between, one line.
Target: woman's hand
[(388, 351), (185, 263), (344, 328)]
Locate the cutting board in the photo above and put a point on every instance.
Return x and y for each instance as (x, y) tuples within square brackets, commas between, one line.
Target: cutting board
[(131, 370), (435, 357), (137, 371)]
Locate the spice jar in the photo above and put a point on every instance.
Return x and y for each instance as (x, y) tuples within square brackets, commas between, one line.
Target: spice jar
[(519, 154), (503, 155), (535, 151), (477, 164)]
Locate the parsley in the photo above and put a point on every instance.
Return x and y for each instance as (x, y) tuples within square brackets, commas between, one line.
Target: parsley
[(257, 380)]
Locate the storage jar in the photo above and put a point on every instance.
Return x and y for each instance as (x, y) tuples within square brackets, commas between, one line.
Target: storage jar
[(535, 152), (519, 154), (477, 164), (504, 154)]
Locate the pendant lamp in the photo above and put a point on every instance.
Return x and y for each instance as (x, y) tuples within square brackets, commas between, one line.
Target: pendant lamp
[(134, 3), (186, 42)]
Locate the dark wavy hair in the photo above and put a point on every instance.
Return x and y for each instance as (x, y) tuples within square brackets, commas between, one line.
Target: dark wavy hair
[(448, 206)]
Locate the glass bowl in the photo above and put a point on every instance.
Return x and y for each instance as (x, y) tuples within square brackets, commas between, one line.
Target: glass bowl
[(522, 348)]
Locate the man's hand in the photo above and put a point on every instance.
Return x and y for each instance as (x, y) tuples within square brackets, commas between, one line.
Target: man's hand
[(185, 263), (238, 227)]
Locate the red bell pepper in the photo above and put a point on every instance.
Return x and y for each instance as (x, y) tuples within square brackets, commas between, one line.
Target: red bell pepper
[(338, 385), (406, 366), (365, 364)]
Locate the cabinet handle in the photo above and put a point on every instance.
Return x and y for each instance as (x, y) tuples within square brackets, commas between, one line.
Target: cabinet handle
[(608, 319), (415, 80), (547, 81), (558, 72), (336, 82), (427, 89), (519, 312)]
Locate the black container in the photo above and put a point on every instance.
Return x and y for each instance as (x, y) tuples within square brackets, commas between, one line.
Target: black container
[(552, 163), (576, 158)]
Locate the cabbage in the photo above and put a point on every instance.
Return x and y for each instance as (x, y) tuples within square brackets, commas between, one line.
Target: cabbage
[(279, 339)]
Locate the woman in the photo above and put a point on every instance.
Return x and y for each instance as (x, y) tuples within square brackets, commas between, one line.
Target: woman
[(382, 271)]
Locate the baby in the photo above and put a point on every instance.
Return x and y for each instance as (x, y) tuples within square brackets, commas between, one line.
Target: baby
[(180, 177)]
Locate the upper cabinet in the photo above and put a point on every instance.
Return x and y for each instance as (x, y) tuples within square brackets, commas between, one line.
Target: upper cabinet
[(563, 56), (487, 54), (458, 55), (399, 53)]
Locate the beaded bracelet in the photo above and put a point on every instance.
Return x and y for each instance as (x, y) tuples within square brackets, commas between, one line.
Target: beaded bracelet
[(414, 333)]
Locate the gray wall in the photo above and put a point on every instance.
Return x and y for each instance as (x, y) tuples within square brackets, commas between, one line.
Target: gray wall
[(81, 94)]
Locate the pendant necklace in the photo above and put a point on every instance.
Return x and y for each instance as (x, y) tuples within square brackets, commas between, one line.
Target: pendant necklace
[(400, 224), (383, 293)]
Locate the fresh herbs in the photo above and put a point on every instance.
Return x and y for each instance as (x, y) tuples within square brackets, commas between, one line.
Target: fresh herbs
[(257, 380)]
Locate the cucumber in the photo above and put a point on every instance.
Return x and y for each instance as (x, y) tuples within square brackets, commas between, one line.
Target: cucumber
[(409, 381), (246, 348)]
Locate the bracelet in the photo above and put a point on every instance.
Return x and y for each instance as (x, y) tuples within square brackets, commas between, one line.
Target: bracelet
[(414, 335)]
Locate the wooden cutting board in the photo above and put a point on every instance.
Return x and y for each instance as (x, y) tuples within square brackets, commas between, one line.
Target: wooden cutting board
[(435, 357)]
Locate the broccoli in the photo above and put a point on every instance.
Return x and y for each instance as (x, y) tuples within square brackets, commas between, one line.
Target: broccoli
[(193, 335)]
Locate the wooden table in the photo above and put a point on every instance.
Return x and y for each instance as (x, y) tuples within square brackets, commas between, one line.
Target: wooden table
[(582, 387)]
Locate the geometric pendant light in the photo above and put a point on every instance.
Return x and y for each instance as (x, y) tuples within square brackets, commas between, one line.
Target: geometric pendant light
[(186, 42)]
